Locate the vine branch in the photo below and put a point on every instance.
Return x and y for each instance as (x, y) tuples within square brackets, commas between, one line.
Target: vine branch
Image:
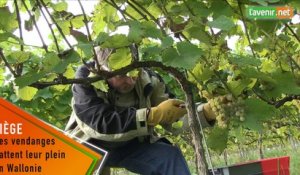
[(19, 67), (246, 29), (89, 35), (123, 12), (106, 74), (137, 10), (6, 63), (278, 103), (35, 25), (150, 15), (50, 27), (54, 21), (293, 33)]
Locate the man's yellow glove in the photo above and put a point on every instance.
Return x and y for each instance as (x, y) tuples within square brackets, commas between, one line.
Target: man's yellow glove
[(166, 112)]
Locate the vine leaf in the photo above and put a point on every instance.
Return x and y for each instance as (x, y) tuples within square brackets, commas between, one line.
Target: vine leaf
[(285, 83), (198, 33), (77, 21), (26, 93), (8, 20), (116, 41), (18, 57), (6, 35), (135, 32), (50, 61), (237, 87), (119, 59), (44, 93), (186, 56), (151, 30), (29, 78), (241, 60), (222, 22), (167, 42), (217, 139), (257, 111), (261, 2), (61, 6)]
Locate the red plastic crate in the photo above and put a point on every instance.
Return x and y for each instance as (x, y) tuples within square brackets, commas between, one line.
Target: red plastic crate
[(270, 166)]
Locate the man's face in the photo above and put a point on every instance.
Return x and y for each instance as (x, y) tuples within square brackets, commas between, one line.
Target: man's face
[(122, 83)]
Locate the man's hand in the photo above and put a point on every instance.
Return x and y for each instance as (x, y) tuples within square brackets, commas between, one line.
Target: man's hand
[(167, 112)]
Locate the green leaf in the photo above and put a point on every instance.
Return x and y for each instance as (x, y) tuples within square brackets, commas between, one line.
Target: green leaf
[(6, 35), (238, 86), (101, 85), (199, 8), (150, 30), (26, 93), (29, 78), (268, 26), (8, 20), (61, 6), (221, 8), (44, 93), (217, 139), (242, 61), (116, 41), (285, 83), (261, 2), (186, 57), (85, 50), (198, 33), (18, 57), (171, 57), (77, 22), (65, 26), (70, 57), (222, 22), (151, 53), (256, 112), (189, 53), (201, 73), (135, 32), (79, 36), (101, 38), (69, 73), (119, 59), (167, 42), (251, 72), (50, 61)]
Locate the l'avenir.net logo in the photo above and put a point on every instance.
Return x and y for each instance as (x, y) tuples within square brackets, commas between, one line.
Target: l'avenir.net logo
[(270, 12)]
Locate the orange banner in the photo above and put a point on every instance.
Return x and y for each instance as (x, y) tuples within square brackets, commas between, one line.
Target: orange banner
[(30, 146)]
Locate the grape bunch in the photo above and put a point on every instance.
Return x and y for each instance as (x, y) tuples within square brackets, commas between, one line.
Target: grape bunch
[(225, 107)]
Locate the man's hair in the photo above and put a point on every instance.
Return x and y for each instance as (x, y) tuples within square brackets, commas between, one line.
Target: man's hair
[(103, 55)]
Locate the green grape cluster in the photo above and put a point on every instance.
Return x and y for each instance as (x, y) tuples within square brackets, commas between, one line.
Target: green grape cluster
[(226, 107)]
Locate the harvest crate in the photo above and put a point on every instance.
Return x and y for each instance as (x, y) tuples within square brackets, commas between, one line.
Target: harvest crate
[(270, 166)]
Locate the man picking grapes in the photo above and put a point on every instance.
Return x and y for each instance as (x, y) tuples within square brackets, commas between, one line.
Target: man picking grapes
[(122, 119)]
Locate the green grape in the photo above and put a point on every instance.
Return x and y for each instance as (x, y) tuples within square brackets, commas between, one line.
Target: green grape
[(227, 107)]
